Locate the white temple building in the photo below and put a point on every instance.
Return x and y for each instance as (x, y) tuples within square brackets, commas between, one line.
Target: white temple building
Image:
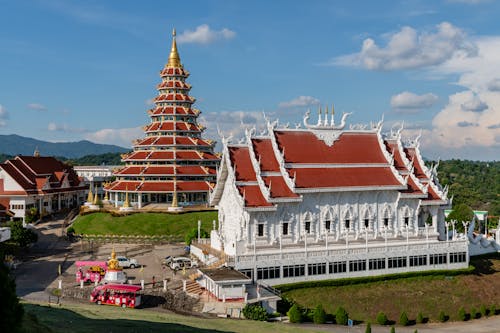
[(325, 202)]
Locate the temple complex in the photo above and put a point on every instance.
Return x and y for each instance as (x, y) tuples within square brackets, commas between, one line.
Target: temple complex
[(172, 164), (322, 202)]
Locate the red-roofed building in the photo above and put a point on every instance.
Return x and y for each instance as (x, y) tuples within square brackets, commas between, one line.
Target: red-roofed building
[(324, 202), (172, 164), (39, 182)]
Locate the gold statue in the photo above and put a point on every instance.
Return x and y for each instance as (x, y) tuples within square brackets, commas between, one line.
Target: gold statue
[(113, 262), (90, 197)]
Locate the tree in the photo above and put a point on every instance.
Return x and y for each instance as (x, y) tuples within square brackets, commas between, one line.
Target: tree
[(319, 315), (382, 318), (341, 316), (461, 213), (393, 330), (368, 328), (32, 215), (11, 311), (193, 234), (403, 319), (22, 235), (294, 314), (255, 312)]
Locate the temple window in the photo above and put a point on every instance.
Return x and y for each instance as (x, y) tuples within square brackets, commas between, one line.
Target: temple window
[(347, 224), (386, 221), (407, 220), (328, 225), (307, 227), (284, 229), (367, 223), (260, 229)]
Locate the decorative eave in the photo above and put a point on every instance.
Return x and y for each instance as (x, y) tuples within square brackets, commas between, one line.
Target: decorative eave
[(290, 182), (389, 157), (415, 144)]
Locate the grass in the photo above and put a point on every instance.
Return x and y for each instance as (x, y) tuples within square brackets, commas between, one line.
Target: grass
[(83, 318), (426, 294), (143, 224)]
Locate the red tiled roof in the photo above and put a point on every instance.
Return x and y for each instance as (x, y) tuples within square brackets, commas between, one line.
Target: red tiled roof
[(137, 155), (33, 173), (174, 71), (418, 170), (240, 159), (264, 150), (412, 187), (173, 84), (159, 186), (168, 110), (305, 147), (253, 196), (393, 147), (169, 126), (343, 177), (279, 189), (174, 97), (432, 195)]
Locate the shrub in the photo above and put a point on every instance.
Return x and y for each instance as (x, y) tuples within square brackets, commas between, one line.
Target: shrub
[(294, 314), (255, 312), (284, 304), (403, 319), (382, 318), (368, 328), (341, 316), (461, 314), (483, 311), (393, 330), (22, 235), (193, 234), (493, 310), (473, 313), (420, 318), (319, 315), (415, 331), (442, 316)]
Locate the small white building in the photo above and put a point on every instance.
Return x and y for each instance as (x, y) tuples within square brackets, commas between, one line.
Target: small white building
[(96, 176), (325, 202)]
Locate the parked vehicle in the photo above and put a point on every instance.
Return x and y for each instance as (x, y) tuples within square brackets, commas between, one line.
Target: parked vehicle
[(126, 262), (177, 263), (124, 295), (90, 271)]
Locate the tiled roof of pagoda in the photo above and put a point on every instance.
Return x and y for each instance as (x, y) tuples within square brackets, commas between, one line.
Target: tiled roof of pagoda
[(170, 110), (169, 141), (158, 186), (175, 84), (165, 170), (174, 71), (174, 97), (167, 155), (169, 126)]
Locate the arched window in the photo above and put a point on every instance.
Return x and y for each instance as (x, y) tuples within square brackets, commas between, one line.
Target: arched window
[(347, 222), (308, 228), (329, 222), (386, 217)]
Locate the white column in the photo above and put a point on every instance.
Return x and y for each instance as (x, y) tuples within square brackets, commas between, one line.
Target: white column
[(139, 200), (116, 199)]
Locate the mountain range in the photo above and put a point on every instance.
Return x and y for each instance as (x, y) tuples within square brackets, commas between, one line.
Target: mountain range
[(19, 145)]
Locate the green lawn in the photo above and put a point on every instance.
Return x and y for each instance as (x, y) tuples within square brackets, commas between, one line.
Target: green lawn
[(426, 294), (143, 223), (92, 318)]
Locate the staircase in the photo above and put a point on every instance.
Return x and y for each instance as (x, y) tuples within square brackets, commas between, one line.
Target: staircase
[(193, 288)]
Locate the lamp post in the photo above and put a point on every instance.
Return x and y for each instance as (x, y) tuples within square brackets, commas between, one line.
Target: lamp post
[(447, 225)]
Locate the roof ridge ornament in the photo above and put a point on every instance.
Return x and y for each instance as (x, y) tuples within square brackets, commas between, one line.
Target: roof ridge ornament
[(325, 125)]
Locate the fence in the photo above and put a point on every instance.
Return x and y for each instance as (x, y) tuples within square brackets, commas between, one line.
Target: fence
[(131, 239)]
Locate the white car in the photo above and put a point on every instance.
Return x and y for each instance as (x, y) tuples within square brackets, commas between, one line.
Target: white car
[(126, 262), (177, 263)]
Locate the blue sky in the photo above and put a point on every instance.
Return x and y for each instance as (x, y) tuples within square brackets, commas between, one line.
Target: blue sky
[(73, 70)]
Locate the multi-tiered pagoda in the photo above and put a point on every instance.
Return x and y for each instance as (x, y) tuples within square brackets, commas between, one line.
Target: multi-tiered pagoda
[(172, 164)]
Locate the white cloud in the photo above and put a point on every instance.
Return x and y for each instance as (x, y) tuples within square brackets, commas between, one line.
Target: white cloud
[(36, 107), (53, 127), (204, 35), (474, 105), (3, 116), (410, 102), (300, 101), (408, 49), (116, 136), (494, 85)]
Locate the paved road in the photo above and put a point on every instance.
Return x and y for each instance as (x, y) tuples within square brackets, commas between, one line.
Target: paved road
[(40, 272)]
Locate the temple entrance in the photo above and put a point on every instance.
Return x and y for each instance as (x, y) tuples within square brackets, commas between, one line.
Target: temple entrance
[(162, 198)]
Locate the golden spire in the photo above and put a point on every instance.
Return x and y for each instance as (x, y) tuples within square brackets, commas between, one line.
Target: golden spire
[(90, 197), (96, 197), (173, 59), (126, 203)]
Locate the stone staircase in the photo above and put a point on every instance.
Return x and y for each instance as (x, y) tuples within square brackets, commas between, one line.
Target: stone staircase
[(193, 288)]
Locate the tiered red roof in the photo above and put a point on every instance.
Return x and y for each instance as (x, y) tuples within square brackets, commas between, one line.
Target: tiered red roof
[(356, 160), (38, 175), (184, 158)]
